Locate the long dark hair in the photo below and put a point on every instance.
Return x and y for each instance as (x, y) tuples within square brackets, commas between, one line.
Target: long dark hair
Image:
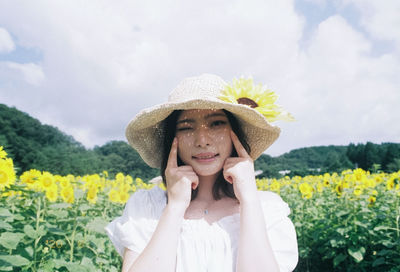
[(220, 185)]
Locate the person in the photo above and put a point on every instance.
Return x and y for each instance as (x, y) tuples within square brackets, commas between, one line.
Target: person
[(211, 216)]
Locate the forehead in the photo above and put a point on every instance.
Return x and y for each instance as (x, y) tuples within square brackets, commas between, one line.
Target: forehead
[(200, 113)]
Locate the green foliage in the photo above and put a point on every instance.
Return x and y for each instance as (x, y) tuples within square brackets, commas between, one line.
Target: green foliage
[(367, 155), (346, 234), (305, 161), (32, 145), (40, 236)]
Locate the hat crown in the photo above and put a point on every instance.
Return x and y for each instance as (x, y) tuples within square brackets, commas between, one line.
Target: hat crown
[(192, 88)]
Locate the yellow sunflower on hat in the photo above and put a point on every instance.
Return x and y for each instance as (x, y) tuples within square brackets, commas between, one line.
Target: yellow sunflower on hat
[(244, 91)]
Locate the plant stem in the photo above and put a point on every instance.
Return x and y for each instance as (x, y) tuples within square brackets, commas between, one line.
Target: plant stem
[(71, 255), (38, 211)]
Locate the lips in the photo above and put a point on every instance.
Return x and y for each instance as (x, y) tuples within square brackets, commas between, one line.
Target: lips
[(203, 156)]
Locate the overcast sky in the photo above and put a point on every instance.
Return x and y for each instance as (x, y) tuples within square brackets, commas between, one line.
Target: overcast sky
[(87, 67)]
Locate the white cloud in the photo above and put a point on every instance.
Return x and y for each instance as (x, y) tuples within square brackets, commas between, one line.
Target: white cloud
[(381, 19), (104, 61), (6, 43), (343, 94), (28, 72)]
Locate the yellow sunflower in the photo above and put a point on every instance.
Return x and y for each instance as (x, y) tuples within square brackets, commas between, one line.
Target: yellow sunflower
[(7, 174), (113, 196), (52, 193), (243, 91), (67, 194)]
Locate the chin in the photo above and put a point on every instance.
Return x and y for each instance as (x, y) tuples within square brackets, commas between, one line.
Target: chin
[(207, 173)]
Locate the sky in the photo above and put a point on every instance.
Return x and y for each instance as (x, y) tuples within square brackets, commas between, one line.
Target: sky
[(88, 67)]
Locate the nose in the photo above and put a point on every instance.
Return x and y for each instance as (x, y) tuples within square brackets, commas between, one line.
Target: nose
[(202, 137)]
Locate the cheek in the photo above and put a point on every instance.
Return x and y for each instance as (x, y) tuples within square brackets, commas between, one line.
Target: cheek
[(184, 144), (224, 141)]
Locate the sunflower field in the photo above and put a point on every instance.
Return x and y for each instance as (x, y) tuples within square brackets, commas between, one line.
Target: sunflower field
[(345, 222)]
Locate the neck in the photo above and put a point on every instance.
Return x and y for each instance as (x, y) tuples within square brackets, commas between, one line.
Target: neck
[(205, 187)]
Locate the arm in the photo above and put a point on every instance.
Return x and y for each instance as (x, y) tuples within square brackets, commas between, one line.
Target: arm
[(254, 250), (160, 253)]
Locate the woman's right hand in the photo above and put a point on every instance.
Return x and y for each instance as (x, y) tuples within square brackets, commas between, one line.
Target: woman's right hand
[(180, 179)]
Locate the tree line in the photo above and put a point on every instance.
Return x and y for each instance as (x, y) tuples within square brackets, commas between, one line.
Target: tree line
[(34, 145)]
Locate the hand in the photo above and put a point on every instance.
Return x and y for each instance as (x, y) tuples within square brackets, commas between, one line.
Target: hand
[(180, 180), (239, 171)]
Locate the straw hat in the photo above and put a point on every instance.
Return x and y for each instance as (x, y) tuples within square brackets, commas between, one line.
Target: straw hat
[(145, 131)]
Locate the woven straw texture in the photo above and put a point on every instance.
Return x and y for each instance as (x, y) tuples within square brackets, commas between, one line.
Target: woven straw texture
[(145, 131)]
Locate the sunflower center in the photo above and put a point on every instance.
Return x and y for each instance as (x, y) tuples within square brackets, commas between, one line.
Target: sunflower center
[(247, 101)]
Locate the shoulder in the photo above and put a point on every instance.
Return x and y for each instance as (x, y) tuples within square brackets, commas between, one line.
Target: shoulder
[(273, 204), (269, 196), (154, 194), (146, 202)]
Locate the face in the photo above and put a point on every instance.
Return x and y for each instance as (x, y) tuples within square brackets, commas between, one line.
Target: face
[(204, 140)]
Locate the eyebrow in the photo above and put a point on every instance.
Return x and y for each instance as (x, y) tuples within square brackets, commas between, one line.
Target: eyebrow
[(208, 116)]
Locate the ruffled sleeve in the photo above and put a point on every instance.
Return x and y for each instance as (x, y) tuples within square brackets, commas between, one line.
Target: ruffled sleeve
[(138, 222), (281, 231)]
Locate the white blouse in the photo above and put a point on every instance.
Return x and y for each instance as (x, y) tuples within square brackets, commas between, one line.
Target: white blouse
[(203, 247)]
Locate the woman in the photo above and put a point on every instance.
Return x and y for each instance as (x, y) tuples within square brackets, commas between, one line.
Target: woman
[(212, 218)]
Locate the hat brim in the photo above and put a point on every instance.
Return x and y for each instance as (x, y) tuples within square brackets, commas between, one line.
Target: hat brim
[(145, 131)]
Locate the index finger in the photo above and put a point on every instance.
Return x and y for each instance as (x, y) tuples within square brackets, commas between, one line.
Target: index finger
[(241, 151), (173, 157)]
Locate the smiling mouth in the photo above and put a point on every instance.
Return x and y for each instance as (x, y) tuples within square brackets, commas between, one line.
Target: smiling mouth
[(205, 158)]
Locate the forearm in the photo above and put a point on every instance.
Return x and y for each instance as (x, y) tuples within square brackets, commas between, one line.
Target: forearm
[(254, 252), (160, 253)]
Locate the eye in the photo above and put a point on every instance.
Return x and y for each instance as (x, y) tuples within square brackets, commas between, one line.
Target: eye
[(218, 123), (183, 128)]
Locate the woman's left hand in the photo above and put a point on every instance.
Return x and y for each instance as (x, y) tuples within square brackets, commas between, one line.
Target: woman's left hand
[(239, 171)]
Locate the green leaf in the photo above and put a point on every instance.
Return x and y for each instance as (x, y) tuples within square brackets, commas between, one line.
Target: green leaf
[(58, 213), (384, 252), (342, 213), (388, 243), (74, 267), (341, 231), (87, 262), (60, 206), (378, 228), (59, 263), (338, 259), (84, 207), (56, 231), (30, 231), (378, 261), (357, 253), (6, 226), (13, 260), (19, 217), (47, 266), (97, 225), (5, 212), (29, 251), (42, 230), (10, 240)]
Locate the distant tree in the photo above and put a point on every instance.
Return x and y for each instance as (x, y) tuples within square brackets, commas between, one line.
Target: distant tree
[(392, 152), (371, 156), (394, 166)]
